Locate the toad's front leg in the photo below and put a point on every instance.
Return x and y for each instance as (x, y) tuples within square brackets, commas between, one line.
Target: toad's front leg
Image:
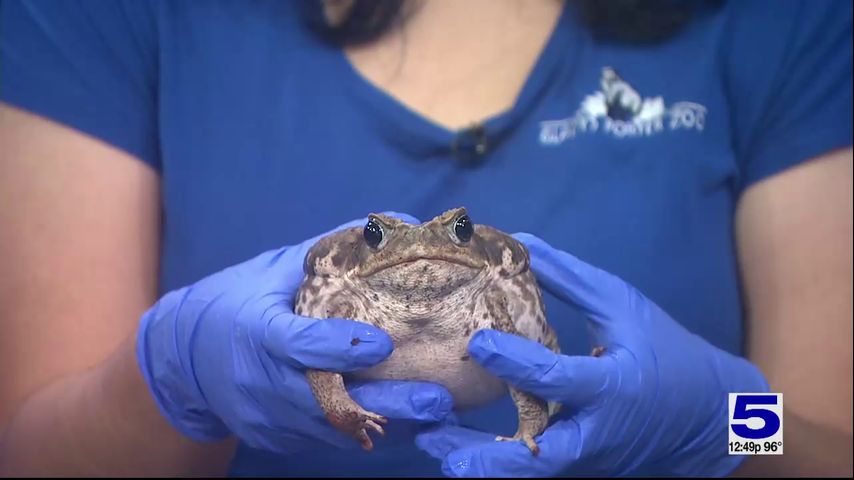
[(328, 387), (533, 419), (533, 411), (341, 410)]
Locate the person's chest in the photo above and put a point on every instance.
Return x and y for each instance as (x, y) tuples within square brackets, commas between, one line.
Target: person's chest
[(617, 155)]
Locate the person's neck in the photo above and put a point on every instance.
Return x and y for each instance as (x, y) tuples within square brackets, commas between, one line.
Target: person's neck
[(458, 62)]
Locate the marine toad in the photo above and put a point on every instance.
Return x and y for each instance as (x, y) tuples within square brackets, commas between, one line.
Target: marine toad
[(430, 287)]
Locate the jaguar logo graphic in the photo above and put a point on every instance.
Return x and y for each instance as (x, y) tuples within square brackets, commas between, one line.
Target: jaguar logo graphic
[(618, 109)]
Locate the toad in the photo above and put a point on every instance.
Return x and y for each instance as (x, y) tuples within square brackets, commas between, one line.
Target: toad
[(430, 287)]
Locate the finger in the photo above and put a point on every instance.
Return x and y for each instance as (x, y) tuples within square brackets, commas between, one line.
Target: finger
[(603, 296), (333, 344), (420, 401), (559, 447), (440, 441), (576, 381)]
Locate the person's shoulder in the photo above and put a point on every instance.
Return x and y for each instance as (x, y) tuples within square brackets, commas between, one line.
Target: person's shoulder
[(96, 66), (781, 7), (278, 13), (764, 15), (779, 25), (786, 69), (88, 65)]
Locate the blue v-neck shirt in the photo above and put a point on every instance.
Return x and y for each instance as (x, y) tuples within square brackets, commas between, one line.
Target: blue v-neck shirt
[(632, 158)]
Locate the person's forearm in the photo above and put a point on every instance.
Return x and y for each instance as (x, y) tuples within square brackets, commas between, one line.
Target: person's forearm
[(102, 422), (809, 450)]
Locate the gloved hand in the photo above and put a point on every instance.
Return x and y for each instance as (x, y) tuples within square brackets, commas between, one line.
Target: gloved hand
[(226, 355), (656, 399)]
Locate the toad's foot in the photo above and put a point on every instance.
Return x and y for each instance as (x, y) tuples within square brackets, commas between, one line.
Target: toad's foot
[(341, 411), (533, 418), (525, 437), (356, 421)]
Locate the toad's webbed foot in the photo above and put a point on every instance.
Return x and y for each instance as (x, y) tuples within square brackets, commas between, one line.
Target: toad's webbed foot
[(341, 410)]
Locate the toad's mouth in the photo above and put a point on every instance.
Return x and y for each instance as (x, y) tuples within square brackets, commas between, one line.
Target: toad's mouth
[(422, 279), (405, 263)]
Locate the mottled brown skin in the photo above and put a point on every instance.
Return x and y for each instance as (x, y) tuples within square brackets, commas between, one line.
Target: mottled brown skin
[(430, 291)]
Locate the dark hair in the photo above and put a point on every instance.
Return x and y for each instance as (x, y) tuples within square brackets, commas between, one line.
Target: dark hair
[(634, 21)]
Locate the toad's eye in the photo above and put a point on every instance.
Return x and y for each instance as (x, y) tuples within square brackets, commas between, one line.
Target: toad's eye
[(373, 234), (463, 229)]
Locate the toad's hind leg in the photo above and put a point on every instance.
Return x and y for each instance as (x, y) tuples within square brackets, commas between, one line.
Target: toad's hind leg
[(533, 411)]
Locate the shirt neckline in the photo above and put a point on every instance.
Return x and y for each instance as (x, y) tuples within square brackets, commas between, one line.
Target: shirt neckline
[(415, 133)]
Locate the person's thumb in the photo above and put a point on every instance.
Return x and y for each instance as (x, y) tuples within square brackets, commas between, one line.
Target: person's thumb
[(603, 297), (575, 381), (333, 344)]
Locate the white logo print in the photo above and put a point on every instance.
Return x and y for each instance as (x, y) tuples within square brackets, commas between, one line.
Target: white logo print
[(619, 110)]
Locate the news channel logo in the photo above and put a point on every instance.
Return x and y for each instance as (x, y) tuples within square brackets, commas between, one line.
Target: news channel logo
[(755, 423)]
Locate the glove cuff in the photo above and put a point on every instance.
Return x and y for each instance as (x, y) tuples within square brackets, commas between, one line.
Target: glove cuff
[(169, 377), (737, 375), (707, 454)]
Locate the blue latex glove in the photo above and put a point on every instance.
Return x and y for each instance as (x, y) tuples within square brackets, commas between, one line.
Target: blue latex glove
[(655, 401), (226, 356)]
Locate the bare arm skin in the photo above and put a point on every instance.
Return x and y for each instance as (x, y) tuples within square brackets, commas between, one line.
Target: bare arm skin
[(79, 249), (795, 236)]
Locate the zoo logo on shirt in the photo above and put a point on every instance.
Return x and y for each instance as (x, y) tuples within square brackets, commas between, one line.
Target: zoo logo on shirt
[(619, 110)]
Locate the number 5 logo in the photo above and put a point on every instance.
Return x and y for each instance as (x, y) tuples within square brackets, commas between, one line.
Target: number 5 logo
[(750, 406)]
